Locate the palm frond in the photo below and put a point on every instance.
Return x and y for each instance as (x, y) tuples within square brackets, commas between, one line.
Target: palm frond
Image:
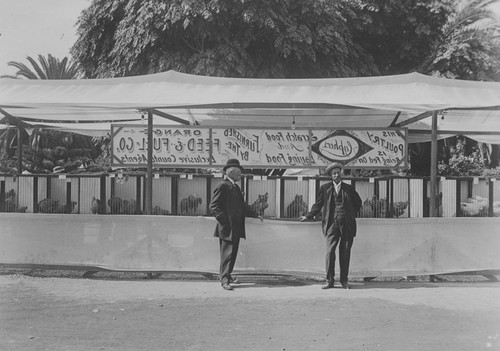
[(23, 70), (37, 68), (48, 67), (475, 13)]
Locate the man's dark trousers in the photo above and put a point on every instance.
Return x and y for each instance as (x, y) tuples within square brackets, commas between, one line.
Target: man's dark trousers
[(228, 255), (333, 240), (337, 236)]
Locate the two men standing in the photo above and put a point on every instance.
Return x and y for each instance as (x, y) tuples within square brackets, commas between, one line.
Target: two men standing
[(337, 202)]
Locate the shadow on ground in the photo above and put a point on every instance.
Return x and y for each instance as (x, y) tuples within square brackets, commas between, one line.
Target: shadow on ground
[(263, 280)]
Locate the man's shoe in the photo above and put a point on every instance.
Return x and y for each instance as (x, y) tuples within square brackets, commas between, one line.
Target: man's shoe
[(226, 286), (327, 286), (233, 280), (345, 285)]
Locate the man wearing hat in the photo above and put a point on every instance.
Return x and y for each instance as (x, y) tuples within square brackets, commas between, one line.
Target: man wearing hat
[(339, 204), (229, 208)]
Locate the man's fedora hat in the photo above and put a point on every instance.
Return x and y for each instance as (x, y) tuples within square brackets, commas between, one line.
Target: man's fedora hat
[(333, 166), (232, 162)]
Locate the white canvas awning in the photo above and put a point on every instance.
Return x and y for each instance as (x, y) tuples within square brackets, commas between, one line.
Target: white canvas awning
[(89, 106)]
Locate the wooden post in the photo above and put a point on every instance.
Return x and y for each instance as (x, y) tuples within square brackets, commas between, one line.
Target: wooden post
[(102, 195), (491, 195), (19, 151), (69, 207), (2, 196), (138, 203), (282, 213), (209, 195), (149, 176), (174, 196), (458, 192), (433, 190), (35, 194)]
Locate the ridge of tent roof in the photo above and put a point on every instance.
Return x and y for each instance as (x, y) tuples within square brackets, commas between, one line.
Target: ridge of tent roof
[(185, 78), (412, 91)]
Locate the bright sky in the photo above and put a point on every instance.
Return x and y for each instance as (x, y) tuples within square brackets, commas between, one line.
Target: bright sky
[(33, 27)]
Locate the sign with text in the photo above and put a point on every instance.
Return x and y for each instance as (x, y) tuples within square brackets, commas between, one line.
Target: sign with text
[(271, 148), (373, 148), (193, 146)]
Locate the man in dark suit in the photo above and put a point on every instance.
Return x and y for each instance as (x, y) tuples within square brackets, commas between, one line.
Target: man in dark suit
[(230, 210), (339, 204)]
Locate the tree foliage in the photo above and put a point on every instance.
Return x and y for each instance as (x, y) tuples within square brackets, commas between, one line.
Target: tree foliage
[(460, 162), (258, 38), (45, 149), (399, 35), (301, 38), (273, 38), (282, 39), (468, 45)]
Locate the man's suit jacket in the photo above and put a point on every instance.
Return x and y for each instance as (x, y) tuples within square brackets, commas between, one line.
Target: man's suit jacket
[(352, 205), (230, 210)]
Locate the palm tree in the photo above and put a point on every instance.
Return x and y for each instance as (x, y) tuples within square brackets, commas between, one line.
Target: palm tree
[(48, 67), (45, 149), (468, 48), (469, 44)]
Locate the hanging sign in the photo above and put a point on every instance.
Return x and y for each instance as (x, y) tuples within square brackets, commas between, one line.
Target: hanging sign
[(172, 146), (191, 146), (374, 148), (270, 148)]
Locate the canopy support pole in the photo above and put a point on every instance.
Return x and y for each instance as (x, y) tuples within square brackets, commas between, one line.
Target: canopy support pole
[(395, 120), (149, 174), (433, 171), (19, 150), (413, 119), (170, 117)]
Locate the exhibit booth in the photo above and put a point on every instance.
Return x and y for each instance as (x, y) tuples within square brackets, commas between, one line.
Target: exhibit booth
[(173, 120)]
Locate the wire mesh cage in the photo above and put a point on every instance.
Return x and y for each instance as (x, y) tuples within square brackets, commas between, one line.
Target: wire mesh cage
[(162, 196), (275, 197), (295, 198), (474, 201), (366, 191), (89, 196), (261, 196), (124, 197), (192, 195)]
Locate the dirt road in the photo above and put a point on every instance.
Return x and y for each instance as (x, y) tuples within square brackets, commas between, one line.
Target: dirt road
[(48, 313)]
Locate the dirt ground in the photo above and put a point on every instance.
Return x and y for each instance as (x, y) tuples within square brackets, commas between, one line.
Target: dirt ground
[(43, 311)]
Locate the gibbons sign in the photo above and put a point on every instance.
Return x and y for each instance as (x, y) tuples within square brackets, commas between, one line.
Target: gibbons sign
[(183, 146)]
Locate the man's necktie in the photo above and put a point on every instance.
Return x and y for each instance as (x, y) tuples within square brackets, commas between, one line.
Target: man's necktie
[(239, 190), (237, 187)]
